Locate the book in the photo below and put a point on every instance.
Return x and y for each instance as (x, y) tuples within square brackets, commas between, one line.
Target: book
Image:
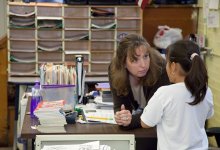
[(50, 113)]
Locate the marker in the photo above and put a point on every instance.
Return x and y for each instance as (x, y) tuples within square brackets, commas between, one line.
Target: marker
[(99, 118)]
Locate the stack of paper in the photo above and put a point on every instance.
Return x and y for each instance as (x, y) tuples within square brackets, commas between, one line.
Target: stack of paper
[(101, 104), (50, 113), (105, 92), (85, 146), (99, 116)]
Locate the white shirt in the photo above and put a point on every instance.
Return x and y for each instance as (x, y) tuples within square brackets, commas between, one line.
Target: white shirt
[(180, 126)]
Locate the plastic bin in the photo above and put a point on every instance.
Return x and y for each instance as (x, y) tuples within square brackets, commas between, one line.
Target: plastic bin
[(60, 92)]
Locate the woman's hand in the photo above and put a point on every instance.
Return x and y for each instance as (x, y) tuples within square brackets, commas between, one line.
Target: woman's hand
[(123, 117)]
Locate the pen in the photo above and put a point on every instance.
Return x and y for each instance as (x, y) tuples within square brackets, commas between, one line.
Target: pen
[(99, 118)]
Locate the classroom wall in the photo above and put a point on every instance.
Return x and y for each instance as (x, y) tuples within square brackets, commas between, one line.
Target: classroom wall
[(3, 21), (212, 62)]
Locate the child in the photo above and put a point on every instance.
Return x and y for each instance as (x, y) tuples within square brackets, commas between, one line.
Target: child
[(180, 110)]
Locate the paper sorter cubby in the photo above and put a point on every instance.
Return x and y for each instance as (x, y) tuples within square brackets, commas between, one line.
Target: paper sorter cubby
[(52, 32)]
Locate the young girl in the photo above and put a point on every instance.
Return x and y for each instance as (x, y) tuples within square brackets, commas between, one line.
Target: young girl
[(180, 110)]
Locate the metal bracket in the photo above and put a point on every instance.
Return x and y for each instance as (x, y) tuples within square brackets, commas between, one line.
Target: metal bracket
[(206, 51)]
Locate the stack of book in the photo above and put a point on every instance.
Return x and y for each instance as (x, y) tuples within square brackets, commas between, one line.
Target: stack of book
[(50, 113), (105, 92), (106, 95), (102, 105), (105, 100)]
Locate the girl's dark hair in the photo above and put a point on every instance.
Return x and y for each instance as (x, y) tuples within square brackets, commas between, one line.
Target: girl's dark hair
[(196, 79)]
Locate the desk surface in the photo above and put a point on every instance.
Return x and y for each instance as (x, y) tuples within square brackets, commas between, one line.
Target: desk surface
[(77, 128), (28, 133)]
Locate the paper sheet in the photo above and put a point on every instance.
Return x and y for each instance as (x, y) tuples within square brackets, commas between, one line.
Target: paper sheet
[(213, 19), (213, 4), (99, 115), (95, 145)]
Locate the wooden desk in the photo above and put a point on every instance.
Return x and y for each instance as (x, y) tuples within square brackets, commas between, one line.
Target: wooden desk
[(146, 139)]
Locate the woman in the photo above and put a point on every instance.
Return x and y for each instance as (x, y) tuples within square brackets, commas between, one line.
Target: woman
[(135, 73), (180, 110)]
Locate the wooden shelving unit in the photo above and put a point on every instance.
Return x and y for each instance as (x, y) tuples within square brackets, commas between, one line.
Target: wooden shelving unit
[(51, 32)]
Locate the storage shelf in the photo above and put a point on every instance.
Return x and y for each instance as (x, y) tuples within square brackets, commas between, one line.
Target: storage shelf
[(62, 31)]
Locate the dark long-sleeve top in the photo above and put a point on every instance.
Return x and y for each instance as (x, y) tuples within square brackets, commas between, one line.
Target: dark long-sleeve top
[(131, 104)]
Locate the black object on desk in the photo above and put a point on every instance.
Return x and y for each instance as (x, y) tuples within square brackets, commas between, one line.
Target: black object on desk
[(71, 117)]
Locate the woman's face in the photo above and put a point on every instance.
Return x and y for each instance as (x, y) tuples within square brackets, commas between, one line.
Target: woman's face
[(139, 66)]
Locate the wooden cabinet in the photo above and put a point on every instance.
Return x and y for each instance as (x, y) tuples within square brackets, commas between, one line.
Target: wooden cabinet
[(50, 32), (178, 16), (3, 92)]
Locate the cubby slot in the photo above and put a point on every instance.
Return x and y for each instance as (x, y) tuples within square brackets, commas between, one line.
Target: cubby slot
[(76, 24), (76, 12), (101, 56), (102, 12), (102, 46), (18, 22), (50, 34), (128, 24), (50, 56), (49, 23), (76, 35), (49, 11), (22, 34), (18, 10), (103, 24), (128, 12), (50, 45), (22, 68), (22, 57), (99, 67), (26, 46), (102, 35), (81, 45)]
